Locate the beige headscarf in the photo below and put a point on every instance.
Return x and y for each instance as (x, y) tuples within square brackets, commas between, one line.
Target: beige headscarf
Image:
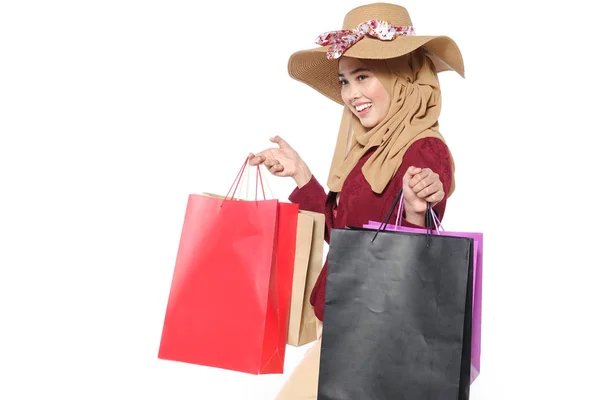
[(413, 86)]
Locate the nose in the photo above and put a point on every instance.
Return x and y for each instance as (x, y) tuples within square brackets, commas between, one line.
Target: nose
[(354, 92)]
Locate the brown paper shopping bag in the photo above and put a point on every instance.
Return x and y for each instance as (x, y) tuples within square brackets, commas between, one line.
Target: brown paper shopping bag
[(302, 327)]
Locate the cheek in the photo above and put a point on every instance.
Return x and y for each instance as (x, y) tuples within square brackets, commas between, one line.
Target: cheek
[(344, 94), (385, 105), (383, 100)]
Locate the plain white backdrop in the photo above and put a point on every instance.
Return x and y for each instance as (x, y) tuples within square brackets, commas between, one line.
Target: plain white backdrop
[(112, 112)]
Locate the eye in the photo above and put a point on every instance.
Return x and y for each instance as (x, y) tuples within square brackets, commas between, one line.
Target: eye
[(343, 82), (361, 77)]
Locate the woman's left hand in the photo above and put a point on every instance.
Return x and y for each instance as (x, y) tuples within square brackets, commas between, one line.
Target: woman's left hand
[(420, 186)]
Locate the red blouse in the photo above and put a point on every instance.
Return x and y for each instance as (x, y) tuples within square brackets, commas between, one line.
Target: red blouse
[(358, 203)]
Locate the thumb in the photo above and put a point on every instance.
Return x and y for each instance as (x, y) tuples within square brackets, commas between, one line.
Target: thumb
[(412, 171), (282, 143)]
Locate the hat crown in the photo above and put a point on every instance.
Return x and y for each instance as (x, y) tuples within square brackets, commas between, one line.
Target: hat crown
[(394, 14)]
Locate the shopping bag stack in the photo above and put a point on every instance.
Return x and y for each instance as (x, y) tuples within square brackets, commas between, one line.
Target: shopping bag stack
[(398, 314), (477, 277), (231, 294)]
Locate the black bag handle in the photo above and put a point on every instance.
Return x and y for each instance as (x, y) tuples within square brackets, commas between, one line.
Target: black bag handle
[(428, 218)]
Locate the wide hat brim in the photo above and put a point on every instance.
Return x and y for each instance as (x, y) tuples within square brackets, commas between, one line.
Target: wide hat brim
[(314, 69)]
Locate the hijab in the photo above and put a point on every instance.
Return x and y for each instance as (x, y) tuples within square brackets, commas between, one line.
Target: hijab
[(413, 86)]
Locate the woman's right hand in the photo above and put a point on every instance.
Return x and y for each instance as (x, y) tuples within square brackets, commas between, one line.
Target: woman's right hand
[(283, 161)]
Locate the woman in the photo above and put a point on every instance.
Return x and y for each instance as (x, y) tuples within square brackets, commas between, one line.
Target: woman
[(386, 79)]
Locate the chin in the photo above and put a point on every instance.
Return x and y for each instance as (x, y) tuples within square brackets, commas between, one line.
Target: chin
[(367, 124)]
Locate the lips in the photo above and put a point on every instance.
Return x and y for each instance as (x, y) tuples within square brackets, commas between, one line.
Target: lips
[(363, 109)]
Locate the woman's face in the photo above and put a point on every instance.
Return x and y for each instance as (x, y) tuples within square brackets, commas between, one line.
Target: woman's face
[(362, 92)]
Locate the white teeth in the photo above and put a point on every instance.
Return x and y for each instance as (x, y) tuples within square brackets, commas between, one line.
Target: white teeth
[(363, 106)]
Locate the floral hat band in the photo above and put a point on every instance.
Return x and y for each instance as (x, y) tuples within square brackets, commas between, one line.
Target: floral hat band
[(342, 40)]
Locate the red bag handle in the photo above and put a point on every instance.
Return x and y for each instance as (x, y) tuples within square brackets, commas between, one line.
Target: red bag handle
[(238, 180)]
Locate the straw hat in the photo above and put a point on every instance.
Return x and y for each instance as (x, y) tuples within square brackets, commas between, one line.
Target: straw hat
[(372, 31)]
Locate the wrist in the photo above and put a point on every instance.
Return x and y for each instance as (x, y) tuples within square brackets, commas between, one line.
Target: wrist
[(302, 176), (414, 217)]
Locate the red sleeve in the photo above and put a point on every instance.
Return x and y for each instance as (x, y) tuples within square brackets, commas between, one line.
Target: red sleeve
[(427, 153), (311, 197)]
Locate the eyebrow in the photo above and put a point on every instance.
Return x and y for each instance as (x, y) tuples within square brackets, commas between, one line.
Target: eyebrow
[(356, 71)]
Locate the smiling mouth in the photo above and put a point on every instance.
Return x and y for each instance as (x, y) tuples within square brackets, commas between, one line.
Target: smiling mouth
[(363, 108)]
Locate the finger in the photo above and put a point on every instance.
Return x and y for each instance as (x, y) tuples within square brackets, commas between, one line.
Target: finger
[(430, 190), (280, 142), (423, 179), (271, 162), (254, 159), (260, 156), (423, 172), (276, 169), (436, 197), (420, 183), (408, 175), (412, 171)]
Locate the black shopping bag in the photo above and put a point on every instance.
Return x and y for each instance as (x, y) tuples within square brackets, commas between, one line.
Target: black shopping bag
[(397, 320)]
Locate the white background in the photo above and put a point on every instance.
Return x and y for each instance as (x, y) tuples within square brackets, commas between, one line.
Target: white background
[(112, 112)]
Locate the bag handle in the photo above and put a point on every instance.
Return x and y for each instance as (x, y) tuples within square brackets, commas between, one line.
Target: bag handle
[(240, 176), (435, 219), (429, 220)]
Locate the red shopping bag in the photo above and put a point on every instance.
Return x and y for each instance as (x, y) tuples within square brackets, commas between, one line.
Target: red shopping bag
[(227, 303), (287, 225)]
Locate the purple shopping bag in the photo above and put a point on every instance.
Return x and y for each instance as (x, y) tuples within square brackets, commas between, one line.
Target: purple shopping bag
[(477, 271)]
